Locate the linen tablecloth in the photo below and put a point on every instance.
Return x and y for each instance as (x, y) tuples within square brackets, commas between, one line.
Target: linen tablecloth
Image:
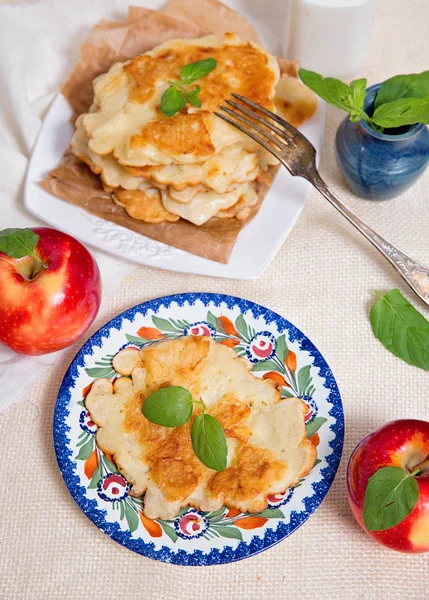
[(321, 280)]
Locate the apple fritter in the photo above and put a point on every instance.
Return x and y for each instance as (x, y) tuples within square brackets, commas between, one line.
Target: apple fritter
[(191, 165), (231, 165), (144, 205), (268, 450), (206, 204), (294, 102), (127, 122)]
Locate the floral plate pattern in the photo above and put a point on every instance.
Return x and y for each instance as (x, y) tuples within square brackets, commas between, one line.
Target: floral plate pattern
[(277, 350)]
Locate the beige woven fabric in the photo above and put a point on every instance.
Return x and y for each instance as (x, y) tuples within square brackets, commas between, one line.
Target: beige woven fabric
[(321, 280)]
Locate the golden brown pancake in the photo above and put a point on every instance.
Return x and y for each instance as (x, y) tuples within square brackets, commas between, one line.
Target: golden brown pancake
[(231, 165), (268, 450), (207, 204), (294, 102), (192, 165), (127, 119), (144, 205)]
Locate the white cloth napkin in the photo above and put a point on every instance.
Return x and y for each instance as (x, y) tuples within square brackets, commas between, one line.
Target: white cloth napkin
[(38, 46)]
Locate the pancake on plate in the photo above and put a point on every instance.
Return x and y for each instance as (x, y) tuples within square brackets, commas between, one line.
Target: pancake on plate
[(268, 450), (191, 165)]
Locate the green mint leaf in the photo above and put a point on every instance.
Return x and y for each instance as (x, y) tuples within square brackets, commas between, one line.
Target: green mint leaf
[(401, 329), (170, 406), (209, 442), (172, 101), (18, 243), (406, 111), (195, 101), (390, 496), (193, 71), (315, 425), (346, 97), (193, 97), (403, 86)]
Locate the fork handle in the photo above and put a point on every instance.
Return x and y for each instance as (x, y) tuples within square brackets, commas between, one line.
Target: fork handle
[(414, 273)]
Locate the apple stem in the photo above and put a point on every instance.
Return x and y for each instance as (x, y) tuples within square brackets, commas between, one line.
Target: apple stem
[(417, 469), (39, 265)]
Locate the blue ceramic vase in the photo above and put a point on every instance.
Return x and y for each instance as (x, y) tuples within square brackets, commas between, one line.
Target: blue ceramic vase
[(379, 166)]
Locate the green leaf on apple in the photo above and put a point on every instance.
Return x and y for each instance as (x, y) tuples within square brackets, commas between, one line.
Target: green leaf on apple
[(401, 329), (18, 243), (390, 496)]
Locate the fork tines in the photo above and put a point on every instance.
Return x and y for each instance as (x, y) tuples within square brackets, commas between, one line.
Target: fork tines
[(273, 143)]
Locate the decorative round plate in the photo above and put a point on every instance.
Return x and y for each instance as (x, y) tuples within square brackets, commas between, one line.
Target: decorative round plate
[(277, 350)]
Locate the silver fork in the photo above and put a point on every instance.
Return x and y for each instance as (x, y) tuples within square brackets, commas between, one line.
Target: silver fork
[(298, 155)]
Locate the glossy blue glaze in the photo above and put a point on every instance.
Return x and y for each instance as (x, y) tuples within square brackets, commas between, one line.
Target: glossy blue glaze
[(379, 166)]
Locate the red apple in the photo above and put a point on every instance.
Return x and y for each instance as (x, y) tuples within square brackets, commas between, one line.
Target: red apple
[(403, 444), (50, 296)]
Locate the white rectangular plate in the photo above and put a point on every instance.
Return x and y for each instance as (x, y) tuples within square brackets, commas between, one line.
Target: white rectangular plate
[(256, 244)]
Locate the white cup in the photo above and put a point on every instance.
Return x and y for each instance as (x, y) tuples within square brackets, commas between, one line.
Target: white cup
[(330, 37)]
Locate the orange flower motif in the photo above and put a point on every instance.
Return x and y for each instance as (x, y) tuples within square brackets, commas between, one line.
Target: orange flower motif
[(315, 439), (150, 333), (228, 326), (250, 522), (232, 513), (230, 343), (291, 361), (152, 527), (86, 390), (91, 464), (276, 377)]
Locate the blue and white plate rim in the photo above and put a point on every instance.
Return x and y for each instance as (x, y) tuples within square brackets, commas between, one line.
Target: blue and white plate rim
[(197, 558)]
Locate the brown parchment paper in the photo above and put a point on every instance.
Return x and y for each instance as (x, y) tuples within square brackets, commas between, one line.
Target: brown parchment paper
[(109, 42)]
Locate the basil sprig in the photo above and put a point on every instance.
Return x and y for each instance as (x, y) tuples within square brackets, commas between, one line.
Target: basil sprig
[(405, 111), (346, 97), (403, 86), (177, 95), (390, 496), (401, 328), (401, 100), (172, 406)]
